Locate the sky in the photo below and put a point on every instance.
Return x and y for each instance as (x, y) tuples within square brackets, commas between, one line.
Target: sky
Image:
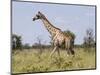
[(75, 18)]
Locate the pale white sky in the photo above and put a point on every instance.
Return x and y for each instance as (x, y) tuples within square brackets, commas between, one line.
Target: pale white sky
[(66, 17)]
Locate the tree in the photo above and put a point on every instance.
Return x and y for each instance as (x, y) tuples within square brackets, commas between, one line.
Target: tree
[(39, 44), (89, 38), (13, 41), (16, 42), (69, 33), (26, 46)]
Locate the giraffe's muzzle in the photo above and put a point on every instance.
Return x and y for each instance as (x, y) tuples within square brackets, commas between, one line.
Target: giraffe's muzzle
[(33, 19)]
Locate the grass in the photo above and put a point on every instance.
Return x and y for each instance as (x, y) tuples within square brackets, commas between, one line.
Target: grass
[(30, 60)]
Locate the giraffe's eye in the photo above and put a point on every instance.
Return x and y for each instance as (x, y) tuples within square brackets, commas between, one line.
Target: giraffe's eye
[(37, 16)]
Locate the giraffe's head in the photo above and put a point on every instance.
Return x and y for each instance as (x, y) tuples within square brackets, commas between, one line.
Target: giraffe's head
[(38, 16)]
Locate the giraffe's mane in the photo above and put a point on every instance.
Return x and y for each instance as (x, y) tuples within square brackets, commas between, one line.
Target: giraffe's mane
[(43, 16)]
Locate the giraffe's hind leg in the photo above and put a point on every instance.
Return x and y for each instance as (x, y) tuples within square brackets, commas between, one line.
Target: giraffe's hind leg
[(72, 48), (72, 52), (67, 47), (68, 52)]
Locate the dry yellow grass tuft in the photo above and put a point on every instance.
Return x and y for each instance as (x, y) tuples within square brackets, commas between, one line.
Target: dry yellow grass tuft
[(31, 61)]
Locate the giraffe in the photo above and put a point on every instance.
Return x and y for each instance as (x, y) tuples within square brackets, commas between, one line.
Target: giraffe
[(58, 37)]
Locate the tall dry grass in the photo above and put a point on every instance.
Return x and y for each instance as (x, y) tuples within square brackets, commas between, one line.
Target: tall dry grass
[(32, 61)]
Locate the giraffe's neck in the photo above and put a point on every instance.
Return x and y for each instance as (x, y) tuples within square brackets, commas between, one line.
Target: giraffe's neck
[(51, 29)]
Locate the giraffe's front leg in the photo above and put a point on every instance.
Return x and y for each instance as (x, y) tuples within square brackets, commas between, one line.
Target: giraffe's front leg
[(67, 47), (53, 51), (58, 52)]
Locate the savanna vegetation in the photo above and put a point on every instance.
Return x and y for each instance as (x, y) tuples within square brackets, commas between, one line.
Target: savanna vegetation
[(26, 58), (30, 60)]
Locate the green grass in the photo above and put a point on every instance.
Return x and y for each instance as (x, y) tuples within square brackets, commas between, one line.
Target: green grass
[(31, 61)]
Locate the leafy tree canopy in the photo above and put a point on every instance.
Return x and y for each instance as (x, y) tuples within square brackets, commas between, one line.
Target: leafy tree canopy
[(69, 33)]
